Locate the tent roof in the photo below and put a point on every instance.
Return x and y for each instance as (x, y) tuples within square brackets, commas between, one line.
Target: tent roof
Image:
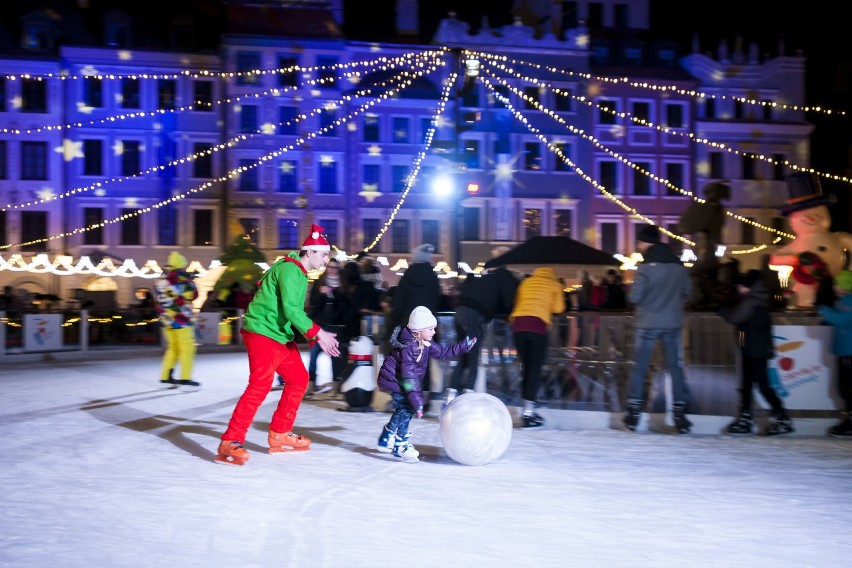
[(553, 250)]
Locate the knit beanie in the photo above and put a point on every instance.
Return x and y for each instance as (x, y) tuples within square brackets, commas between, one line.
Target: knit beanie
[(421, 318), (844, 281), (176, 260)]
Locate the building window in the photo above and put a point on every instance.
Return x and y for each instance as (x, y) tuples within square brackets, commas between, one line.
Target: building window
[(131, 157), (710, 108), (288, 176), (248, 180), (182, 34), (33, 95), (202, 166), (400, 130), (430, 232), (748, 166), (560, 164), (633, 55), (606, 112), (129, 92), (501, 94), (327, 75), (767, 110), (93, 92), (609, 237), (779, 170), (717, 165), (470, 224), (641, 182), (371, 128), (287, 121), (400, 240), (37, 36), (622, 16), (118, 34), (532, 223), (2, 94), (425, 128), (562, 222), (570, 15), (328, 177), (327, 118), (248, 118), (4, 236), (675, 175), (34, 160), (202, 227), (532, 156), (748, 231), (251, 226), (93, 157), (563, 101), (167, 94), (532, 98), (370, 228), (608, 176), (675, 244), (202, 101), (641, 111), (131, 228), (739, 109), (779, 224), (288, 233), (471, 154), (247, 62), (371, 177), (674, 116), (33, 230), (400, 178), (470, 94), (287, 74), (4, 167), (331, 231), (93, 217)]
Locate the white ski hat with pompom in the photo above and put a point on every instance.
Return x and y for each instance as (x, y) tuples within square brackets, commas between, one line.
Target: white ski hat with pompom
[(421, 318)]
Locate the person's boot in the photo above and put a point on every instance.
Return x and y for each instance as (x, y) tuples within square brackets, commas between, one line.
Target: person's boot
[(779, 424), (280, 443), (402, 448), (231, 452), (742, 425), (682, 424), (842, 429), (631, 417), (386, 441)]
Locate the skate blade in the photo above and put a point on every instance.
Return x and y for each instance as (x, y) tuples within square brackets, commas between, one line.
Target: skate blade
[(229, 460), (384, 450), (288, 450)]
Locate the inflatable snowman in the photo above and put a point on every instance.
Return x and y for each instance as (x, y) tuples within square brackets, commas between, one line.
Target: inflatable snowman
[(810, 221)]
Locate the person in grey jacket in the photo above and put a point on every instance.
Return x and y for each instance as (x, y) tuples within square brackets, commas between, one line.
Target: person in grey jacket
[(402, 372), (660, 287), (754, 338)]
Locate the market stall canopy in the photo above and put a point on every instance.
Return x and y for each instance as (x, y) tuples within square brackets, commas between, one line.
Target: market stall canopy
[(565, 255)]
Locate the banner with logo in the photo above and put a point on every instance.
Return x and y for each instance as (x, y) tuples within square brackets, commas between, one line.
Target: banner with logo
[(803, 370), (42, 332), (207, 328)]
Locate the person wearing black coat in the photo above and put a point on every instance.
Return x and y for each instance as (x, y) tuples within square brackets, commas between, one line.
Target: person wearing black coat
[(754, 337), (481, 299)]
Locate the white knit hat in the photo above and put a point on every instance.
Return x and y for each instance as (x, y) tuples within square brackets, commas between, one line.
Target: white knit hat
[(421, 318)]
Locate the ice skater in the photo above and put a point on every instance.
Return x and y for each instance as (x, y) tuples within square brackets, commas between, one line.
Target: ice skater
[(401, 375), (277, 309), (175, 294)]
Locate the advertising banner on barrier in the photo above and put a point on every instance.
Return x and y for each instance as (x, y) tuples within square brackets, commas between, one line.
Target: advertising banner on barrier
[(803, 370), (42, 332), (207, 328)]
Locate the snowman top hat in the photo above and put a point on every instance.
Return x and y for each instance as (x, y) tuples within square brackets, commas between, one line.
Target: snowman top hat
[(803, 192)]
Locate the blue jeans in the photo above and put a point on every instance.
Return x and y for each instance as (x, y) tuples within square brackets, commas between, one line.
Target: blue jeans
[(402, 413), (645, 339)]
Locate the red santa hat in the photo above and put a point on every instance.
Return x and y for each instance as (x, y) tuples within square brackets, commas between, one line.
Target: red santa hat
[(315, 240)]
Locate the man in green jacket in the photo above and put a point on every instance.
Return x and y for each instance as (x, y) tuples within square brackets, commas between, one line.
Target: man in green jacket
[(277, 309)]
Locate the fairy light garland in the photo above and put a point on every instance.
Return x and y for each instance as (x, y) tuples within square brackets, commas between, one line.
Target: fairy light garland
[(552, 114), (239, 170), (262, 130)]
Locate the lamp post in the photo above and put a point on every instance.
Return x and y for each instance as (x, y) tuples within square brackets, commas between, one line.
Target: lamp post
[(467, 69)]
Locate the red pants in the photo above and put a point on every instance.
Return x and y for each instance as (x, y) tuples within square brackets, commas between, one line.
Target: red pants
[(267, 357)]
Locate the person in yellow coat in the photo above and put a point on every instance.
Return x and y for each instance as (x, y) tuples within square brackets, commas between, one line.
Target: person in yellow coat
[(175, 294), (538, 298)]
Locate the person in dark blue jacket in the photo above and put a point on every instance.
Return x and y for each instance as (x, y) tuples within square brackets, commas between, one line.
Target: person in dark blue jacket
[(402, 373)]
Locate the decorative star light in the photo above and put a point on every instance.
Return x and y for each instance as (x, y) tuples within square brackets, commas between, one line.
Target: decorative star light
[(326, 160), (583, 40), (374, 150), (330, 106), (17, 102), (131, 201), (594, 89), (100, 192), (400, 134), (70, 149), (83, 108), (369, 192), (286, 167), (124, 55), (590, 235), (46, 194), (118, 148), (351, 126), (354, 79), (267, 128), (88, 71), (617, 131)]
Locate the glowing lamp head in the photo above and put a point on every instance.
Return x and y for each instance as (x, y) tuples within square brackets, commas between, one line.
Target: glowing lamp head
[(473, 188)]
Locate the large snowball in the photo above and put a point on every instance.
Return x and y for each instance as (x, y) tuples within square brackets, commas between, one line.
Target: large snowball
[(476, 428)]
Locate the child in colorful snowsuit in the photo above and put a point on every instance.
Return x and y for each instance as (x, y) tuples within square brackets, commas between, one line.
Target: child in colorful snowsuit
[(175, 294), (275, 313), (401, 375)]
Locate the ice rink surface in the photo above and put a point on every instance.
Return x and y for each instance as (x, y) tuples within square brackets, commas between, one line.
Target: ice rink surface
[(101, 468)]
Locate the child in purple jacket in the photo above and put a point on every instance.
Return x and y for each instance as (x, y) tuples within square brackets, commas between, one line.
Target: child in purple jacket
[(402, 372)]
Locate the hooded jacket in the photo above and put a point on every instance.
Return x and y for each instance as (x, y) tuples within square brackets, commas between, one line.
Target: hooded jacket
[(418, 286), (175, 294), (406, 365), (492, 294), (539, 295), (660, 287), (753, 321)]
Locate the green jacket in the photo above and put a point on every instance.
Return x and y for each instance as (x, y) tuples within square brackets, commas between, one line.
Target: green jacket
[(278, 305)]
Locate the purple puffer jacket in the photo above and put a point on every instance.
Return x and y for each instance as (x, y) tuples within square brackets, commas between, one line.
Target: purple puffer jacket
[(402, 372)]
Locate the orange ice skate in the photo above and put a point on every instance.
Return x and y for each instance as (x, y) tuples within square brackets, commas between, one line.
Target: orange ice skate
[(289, 442), (231, 452)]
